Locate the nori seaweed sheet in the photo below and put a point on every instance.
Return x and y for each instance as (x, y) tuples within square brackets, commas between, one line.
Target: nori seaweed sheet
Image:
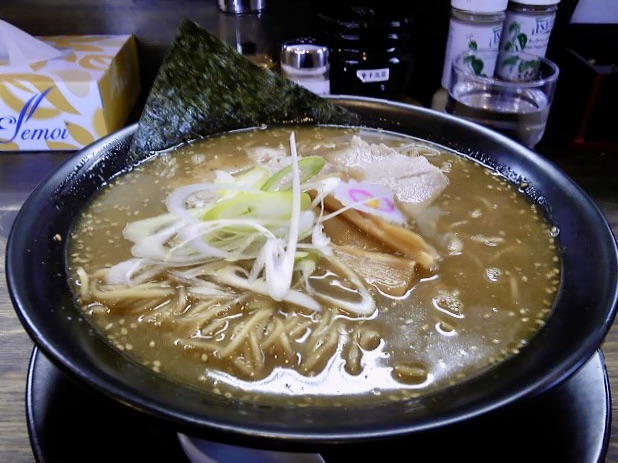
[(204, 87)]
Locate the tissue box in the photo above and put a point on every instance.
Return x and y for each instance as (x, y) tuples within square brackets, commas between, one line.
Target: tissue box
[(69, 102)]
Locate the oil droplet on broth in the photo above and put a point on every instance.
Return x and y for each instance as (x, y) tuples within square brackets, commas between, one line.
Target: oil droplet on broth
[(449, 304)]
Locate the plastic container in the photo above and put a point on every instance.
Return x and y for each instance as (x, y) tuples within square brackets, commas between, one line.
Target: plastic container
[(305, 62), (370, 47), (528, 26), (474, 24)]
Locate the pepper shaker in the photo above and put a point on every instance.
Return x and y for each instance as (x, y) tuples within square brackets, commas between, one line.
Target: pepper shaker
[(305, 62)]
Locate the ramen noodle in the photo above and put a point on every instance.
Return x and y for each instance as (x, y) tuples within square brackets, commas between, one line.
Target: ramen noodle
[(314, 264)]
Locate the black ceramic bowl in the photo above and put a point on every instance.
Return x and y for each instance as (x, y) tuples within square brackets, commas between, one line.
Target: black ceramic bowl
[(583, 312)]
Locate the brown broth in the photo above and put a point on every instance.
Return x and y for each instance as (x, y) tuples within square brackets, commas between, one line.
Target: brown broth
[(494, 288)]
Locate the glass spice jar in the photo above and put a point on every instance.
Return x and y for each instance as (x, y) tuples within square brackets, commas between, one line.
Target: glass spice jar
[(239, 23)]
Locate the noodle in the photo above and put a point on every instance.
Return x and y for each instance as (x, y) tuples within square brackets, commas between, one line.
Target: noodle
[(242, 332), (322, 350), (276, 332)]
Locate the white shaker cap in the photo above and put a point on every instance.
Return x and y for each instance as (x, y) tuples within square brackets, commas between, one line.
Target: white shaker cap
[(481, 6)]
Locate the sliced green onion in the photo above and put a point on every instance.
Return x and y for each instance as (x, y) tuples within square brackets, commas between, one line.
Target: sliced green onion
[(279, 263), (263, 205), (268, 222), (232, 276), (252, 179), (282, 180)]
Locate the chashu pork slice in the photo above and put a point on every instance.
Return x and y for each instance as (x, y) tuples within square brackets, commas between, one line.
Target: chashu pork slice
[(414, 180)]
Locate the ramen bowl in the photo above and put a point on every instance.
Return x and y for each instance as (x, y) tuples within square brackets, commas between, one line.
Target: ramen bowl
[(581, 316)]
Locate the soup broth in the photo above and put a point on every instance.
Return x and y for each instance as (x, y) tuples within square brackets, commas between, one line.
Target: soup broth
[(374, 267)]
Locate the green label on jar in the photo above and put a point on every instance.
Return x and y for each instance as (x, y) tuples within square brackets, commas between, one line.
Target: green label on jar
[(529, 33), (464, 36)]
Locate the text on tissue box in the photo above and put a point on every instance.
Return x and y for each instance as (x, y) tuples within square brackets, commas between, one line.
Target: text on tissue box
[(69, 102)]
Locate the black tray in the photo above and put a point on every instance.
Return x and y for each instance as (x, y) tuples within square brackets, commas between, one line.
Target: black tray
[(69, 423)]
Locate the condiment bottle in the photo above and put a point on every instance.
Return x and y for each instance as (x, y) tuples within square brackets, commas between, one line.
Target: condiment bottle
[(239, 23), (528, 26), (370, 45), (305, 62), (474, 24)]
